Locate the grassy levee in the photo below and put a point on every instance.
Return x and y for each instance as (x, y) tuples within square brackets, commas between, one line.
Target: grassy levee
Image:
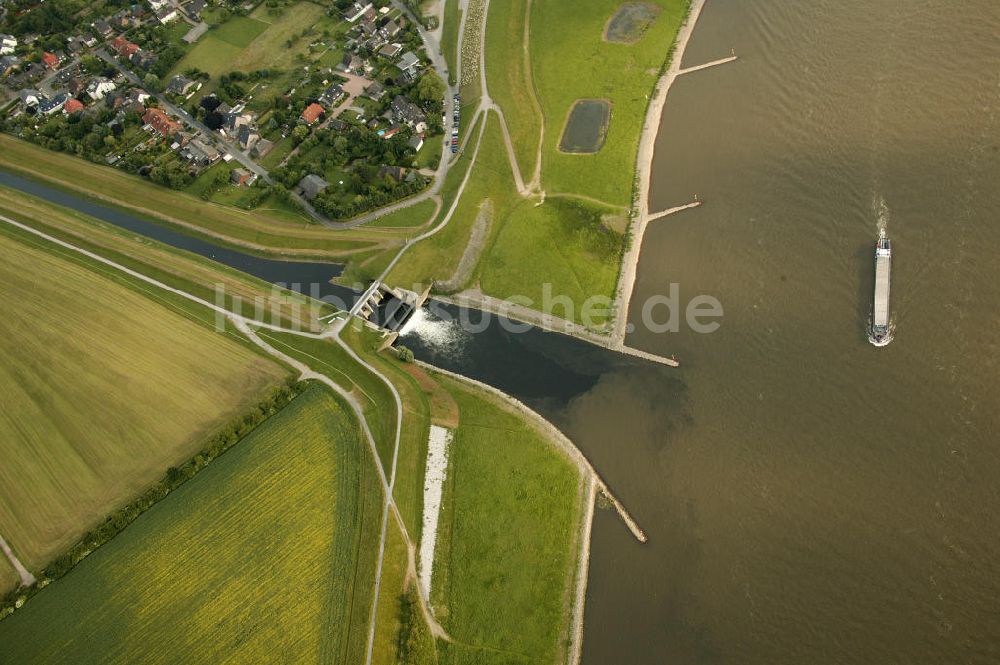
[(507, 541), (415, 215), (437, 257), (326, 356), (566, 39), (386, 651), (257, 231), (449, 36), (103, 389), (267, 553), (417, 414), (177, 268), (506, 72)]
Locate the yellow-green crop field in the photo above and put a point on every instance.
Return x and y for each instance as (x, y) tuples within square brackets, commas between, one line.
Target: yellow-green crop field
[(102, 390), (266, 555)]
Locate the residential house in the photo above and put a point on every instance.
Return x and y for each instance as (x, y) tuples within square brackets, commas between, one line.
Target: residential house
[(180, 85), (397, 173), (312, 113), (247, 137), (351, 64), (408, 64), (8, 43), (390, 50), (157, 5), (312, 186), (233, 121), (137, 95), (357, 10), (124, 47), (195, 8), (144, 59), (241, 177), (262, 147), (390, 30), (407, 113), (30, 97), (331, 95), (76, 85), (8, 63), (50, 60), (72, 106), (375, 90), (102, 28), (166, 15), (416, 142), (199, 153), (161, 123), (50, 106), (98, 87)]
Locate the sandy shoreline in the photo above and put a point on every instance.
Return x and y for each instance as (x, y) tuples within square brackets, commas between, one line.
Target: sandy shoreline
[(647, 145)]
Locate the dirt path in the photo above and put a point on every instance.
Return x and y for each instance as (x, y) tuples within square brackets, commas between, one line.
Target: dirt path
[(27, 579)]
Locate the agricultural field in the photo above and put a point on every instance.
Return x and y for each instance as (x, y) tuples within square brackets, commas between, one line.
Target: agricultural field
[(566, 38), (269, 550), (103, 389), (507, 541)]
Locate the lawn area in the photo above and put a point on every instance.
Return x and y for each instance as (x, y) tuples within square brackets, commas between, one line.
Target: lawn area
[(561, 243), (415, 215), (507, 541), (8, 578), (567, 38), (259, 230), (103, 390), (248, 43), (509, 81), (265, 555), (429, 155)]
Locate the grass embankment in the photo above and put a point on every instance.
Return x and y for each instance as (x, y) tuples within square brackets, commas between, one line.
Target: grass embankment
[(103, 390), (567, 38), (328, 357), (270, 550), (449, 36), (183, 270), (563, 243), (260, 231), (507, 540), (509, 79)]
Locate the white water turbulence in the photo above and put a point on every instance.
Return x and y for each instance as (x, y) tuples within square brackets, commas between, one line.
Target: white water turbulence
[(435, 332), (434, 477)]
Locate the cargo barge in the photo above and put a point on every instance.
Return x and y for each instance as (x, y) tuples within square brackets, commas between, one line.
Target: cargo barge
[(880, 309)]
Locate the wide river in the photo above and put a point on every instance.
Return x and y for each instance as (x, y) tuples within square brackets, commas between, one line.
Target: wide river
[(810, 498)]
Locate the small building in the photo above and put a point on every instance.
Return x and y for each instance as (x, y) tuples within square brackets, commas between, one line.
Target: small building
[(166, 15), (407, 113), (99, 87), (312, 113), (390, 50), (161, 123), (262, 147), (180, 85), (50, 60), (102, 28), (375, 90), (8, 63), (396, 173), (312, 186), (247, 137), (356, 11), (144, 59), (416, 142), (50, 106), (124, 47), (8, 43), (30, 97), (72, 106), (331, 95), (408, 64), (241, 177), (351, 64), (195, 8), (390, 30), (199, 153)]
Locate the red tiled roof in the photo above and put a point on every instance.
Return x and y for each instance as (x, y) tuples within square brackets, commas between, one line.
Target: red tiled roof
[(72, 106), (50, 60), (161, 122), (312, 113)]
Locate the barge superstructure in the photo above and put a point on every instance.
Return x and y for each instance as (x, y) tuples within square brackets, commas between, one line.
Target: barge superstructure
[(880, 307)]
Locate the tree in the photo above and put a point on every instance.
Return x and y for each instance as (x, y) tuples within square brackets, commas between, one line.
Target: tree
[(300, 133), (430, 88), (152, 82), (404, 354)]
